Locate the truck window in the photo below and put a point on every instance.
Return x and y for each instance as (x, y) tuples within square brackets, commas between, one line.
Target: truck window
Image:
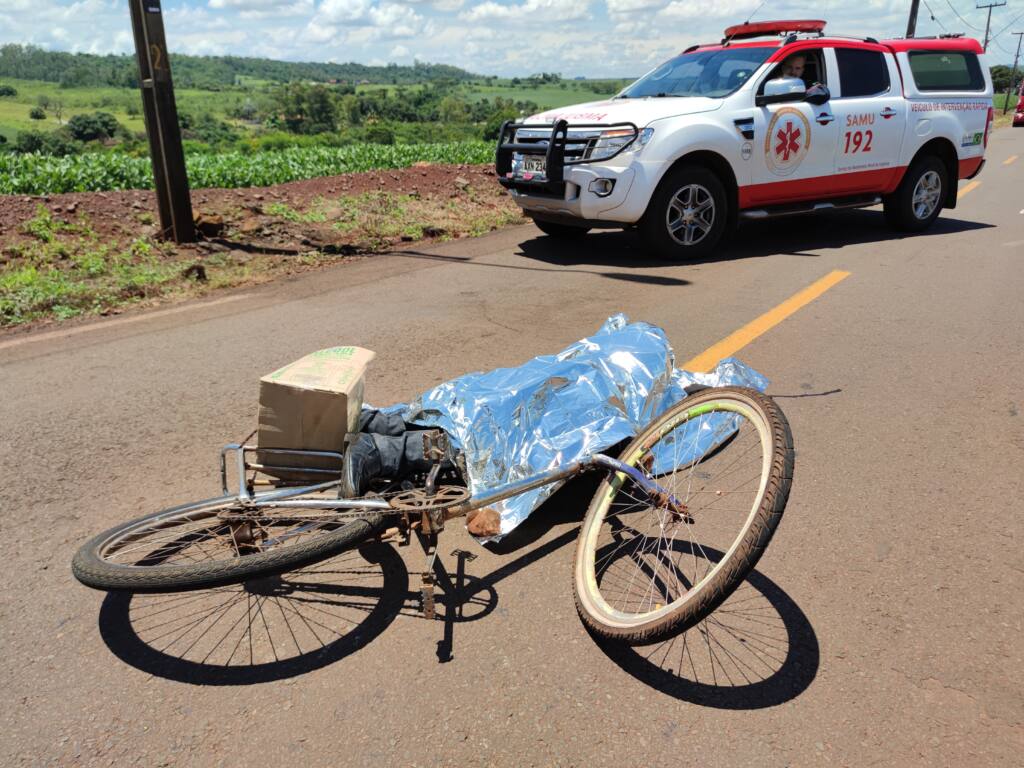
[(861, 72), (946, 71), (810, 59), (702, 73)]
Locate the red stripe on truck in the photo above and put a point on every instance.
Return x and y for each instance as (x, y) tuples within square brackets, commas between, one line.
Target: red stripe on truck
[(969, 167), (881, 181)]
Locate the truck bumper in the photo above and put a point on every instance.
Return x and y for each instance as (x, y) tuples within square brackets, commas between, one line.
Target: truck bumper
[(579, 195)]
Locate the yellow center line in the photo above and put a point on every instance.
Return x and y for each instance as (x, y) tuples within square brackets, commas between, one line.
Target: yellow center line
[(736, 340), (968, 187), (1010, 159)]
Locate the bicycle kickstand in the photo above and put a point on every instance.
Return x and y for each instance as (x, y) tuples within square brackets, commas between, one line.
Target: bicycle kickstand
[(429, 543)]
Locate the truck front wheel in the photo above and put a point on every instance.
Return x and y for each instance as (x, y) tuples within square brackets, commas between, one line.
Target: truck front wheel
[(687, 214)]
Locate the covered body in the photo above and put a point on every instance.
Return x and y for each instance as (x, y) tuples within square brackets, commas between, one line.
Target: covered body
[(513, 423)]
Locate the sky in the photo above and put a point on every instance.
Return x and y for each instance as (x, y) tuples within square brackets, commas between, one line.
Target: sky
[(593, 38)]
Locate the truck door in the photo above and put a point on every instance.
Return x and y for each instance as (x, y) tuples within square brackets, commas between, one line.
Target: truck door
[(794, 143), (871, 115)]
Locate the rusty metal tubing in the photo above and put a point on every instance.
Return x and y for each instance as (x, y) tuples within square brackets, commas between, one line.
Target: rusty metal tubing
[(515, 488), (651, 488)]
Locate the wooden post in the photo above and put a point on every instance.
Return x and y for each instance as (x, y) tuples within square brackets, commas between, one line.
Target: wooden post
[(161, 114)]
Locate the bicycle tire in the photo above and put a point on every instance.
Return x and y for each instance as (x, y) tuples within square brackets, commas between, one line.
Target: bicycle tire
[(92, 570), (706, 594)]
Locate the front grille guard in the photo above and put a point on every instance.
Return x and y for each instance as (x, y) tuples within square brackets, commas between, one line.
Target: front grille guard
[(553, 150)]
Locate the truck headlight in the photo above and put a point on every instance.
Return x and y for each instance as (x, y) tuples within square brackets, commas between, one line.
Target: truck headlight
[(610, 142)]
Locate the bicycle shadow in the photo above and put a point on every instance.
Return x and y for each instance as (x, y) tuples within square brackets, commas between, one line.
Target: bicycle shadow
[(263, 630), (757, 650)]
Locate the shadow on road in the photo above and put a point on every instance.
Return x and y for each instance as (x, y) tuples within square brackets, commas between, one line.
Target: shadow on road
[(795, 236), (263, 630), (757, 650)]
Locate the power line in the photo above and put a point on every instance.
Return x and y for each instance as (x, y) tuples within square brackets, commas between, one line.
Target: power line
[(934, 18), (1012, 22), (965, 21), (993, 40)]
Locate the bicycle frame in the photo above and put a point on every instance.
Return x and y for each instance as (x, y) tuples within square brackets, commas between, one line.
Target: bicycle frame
[(285, 498)]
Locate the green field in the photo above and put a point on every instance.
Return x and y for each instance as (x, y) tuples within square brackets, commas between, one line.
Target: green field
[(33, 174), (124, 103), (545, 96)]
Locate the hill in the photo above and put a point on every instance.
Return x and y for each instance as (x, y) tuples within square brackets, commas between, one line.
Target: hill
[(27, 62)]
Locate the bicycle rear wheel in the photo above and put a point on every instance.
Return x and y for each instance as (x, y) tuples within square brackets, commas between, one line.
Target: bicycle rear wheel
[(644, 570), (217, 542)]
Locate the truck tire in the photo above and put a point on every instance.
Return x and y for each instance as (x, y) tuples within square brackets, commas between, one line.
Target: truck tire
[(687, 215), (566, 231), (917, 202)]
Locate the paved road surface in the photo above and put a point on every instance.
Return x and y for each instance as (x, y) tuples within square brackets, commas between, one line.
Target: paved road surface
[(883, 626)]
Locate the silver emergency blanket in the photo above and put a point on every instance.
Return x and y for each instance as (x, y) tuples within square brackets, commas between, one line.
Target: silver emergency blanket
[(514, 423)]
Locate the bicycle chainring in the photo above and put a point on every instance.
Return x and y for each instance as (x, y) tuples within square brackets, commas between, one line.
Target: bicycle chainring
[(417, 500)]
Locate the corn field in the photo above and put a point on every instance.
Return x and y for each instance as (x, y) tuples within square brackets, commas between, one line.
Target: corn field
[(32, 174)]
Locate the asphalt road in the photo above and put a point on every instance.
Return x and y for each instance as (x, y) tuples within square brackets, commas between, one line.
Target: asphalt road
[(883, 626)]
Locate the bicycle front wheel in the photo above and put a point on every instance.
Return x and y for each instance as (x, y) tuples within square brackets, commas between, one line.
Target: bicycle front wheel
[(645, 569), (217, 542)]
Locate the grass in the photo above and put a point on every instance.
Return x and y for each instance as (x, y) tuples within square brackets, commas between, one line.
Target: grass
[(62, 270), (545, 96), (56, 269), (120, 102)]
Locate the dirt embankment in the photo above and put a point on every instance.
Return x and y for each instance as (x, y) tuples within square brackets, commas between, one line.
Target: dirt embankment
[(64, 256)]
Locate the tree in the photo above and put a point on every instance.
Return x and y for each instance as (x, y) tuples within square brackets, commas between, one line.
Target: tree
[(1001, 78), (380, 134), (37, 113), (57, 107), (453, 110), (50, 143), (90, 127), (306, 109), (8, 90)]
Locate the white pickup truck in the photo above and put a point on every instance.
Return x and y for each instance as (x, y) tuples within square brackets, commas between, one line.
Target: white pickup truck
[(776, 119)]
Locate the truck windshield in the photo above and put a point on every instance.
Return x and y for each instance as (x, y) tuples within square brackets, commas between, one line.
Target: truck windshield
[(703, 73)]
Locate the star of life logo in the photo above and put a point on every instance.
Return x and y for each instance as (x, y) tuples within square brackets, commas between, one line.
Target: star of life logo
[(787, 141)]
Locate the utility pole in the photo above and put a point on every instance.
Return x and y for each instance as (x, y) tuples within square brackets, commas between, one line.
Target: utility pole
[(1013, 75), (988, 23), (912, 20), (161, 114)]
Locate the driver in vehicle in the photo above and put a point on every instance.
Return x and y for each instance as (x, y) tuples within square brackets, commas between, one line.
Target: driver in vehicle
[(794, 66)]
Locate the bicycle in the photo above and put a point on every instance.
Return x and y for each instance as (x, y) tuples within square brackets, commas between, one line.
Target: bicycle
[(711, 474)]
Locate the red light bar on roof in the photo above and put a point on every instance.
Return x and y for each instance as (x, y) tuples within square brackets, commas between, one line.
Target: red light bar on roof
[(763, 28)]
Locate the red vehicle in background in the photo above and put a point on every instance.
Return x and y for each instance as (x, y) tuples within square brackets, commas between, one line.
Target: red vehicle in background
[(1018, 115)]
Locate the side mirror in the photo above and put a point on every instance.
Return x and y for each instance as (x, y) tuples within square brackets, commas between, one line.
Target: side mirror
[(818, 94), (781, 89)]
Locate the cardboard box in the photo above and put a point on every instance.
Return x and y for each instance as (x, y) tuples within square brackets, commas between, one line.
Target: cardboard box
[(311, 405)]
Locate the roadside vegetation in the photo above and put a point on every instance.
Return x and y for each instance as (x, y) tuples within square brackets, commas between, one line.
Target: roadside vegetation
[(40, 174), (60, 263)]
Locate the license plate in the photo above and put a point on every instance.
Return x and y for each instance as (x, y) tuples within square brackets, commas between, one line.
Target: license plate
[(534, 164)]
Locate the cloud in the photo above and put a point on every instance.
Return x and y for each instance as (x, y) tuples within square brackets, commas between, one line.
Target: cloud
[(596, 38), (532, 11)]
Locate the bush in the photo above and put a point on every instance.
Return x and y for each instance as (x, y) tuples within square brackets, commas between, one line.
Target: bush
[(8, 90), (97, 125), (209, 129), (37, 113), (56, 143), (380, 134)]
